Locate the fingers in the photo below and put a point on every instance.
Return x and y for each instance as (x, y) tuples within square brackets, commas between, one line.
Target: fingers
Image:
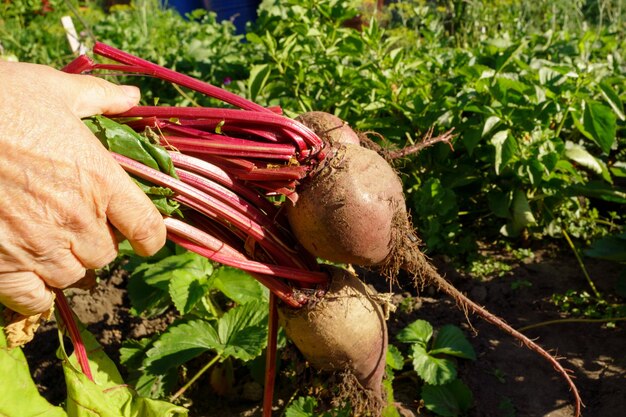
[(87, 96), (61, 269), (25, 293), (95, 246), (132, 213)]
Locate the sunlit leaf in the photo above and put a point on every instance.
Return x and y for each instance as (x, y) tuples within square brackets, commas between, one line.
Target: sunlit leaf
[(259, 75), (432, 370), (613, 99), (238, 285), (420, 331), (505, 149), (601, 124), (20, 386)]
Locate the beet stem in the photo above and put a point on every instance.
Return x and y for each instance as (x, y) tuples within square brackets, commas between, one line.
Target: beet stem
[(70, 324), (177, 78), (270, 357)]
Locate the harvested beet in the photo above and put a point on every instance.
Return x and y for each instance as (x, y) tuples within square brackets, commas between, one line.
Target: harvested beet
[(344, 331), (330, 128), (346, 212)]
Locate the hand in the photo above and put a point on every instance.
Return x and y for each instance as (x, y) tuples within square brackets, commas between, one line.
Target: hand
[(62, 194)]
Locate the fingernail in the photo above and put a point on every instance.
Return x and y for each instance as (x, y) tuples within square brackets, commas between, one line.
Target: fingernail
[(132, 93)]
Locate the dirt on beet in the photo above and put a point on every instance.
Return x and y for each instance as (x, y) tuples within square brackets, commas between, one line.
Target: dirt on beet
[(507, 380)]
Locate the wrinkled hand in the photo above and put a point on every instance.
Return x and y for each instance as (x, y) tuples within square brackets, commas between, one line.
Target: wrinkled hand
[(61, 193)]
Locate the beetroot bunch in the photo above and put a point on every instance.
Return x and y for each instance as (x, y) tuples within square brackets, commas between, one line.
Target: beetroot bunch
[(270, 195)]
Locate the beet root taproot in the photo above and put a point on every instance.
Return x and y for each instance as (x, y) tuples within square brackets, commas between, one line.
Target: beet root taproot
[(344, 331)]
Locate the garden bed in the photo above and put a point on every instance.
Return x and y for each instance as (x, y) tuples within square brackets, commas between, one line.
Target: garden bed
[(507, 380)]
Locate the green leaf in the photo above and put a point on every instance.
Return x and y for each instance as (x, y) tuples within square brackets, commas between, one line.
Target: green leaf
[(107, 396), (238, 285), (612, 248), (19, 386), (243, 331), (522, 215), (302, 407), (581, 156), (490, 123), (432, 370), (394, 358), (189, 282), (125, 141), (449, 400), (259, 75), (613, 99), (132, 352), (160, 197), (420, 331), (450, 340), (181, 343), (601, 124), (499, 204), (151, 286), (144, 298), (595, 189), (505, 149)]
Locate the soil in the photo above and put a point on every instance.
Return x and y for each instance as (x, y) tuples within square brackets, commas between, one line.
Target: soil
[(506, 380)]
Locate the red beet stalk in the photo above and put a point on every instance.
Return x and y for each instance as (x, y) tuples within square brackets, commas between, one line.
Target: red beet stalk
[(70, 324)]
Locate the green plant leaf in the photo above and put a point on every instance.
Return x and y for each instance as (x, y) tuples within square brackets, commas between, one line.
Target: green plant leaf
[(259, 75), (612, 248), (243, 331), (432, 370), (182, 278), (581, 156), (450, 340), (449, 400), (180, 343), (595, 189), (505, 148), (238, 285), (302, 407), (189, 282), (20, 386), (499, 204), (420, 331), (107, 396), (522, 215), (125, 141), (613, 99), (394, 358), (601, 124), (144, 298)]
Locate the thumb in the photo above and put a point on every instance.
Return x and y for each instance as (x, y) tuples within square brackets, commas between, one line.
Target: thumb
[(87, 95), (25, 293)]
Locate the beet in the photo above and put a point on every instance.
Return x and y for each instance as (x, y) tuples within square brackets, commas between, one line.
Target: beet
[(330, 128), (344, 331), (346, 212)]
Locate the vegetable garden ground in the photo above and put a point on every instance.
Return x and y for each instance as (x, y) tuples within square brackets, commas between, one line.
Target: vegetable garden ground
[(506, 380)]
